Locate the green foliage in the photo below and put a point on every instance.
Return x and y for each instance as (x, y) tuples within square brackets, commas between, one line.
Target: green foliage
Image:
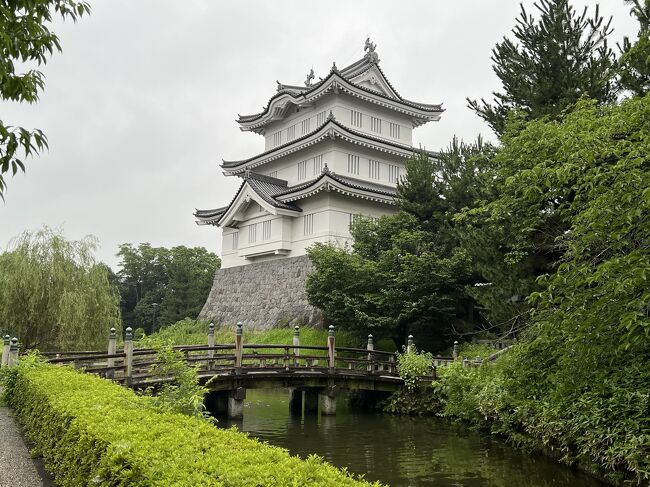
[(553, 61), (183, 393), (413, 365), (27, 40), (634, 64), (421, 401), (194, 332), (93, 432), (159, 286), (54, 295)]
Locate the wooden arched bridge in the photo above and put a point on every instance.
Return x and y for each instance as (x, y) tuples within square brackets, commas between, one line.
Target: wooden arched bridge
[(313, 374)]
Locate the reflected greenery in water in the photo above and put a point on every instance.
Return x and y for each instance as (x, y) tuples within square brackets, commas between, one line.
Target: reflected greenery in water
[(398, 450)]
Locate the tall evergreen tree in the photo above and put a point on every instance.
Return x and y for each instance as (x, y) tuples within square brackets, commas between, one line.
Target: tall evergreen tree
[(634, 65), (552, 62)]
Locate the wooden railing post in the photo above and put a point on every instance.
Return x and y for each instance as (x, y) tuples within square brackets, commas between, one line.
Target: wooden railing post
[(455, 352), (211, 344), (239, 342), (128, 352), (112, 350), (296, 344), (5, 350), (330, 348), (370, 347), (13, 353), (410, 345)]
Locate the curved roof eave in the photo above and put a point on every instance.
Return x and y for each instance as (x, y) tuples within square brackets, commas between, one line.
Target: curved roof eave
[(258, 119), (234, 167)]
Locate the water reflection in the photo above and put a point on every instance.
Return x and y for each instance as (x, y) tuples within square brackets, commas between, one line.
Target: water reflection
[(400, 451)]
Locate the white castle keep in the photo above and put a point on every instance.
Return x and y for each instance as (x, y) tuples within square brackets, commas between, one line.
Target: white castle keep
[(334, 149)]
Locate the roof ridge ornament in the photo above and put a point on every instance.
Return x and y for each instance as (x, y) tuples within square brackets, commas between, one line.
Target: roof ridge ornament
[(371, 56), (326, 170), (331, 116), (310, 77), (334, 68)]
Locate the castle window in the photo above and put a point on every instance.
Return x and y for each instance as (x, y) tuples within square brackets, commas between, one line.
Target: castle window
[(273, 174), (353, 164), (355, 118), (235, 240), (318, 165), (394, 130), (291, 132), (252, 233), (321, 117), (373, 169), (277, 139), (353, 218), (308, 224), (375, 124), (266, 230), (302, 170), (305, 124), (393, 173)]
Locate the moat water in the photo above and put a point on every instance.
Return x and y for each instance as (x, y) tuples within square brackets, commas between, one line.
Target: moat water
[(400, 451)]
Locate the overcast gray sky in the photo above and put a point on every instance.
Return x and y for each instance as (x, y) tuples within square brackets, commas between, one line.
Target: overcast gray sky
[(140, 108)]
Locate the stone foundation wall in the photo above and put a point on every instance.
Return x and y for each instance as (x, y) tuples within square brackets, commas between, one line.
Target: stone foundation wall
[(262, 295)]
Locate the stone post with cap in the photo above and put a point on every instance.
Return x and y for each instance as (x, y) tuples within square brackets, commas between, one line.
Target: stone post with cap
[(128, 355), (239, 345), (13, 353), (331, 348), (5, 350), (410, 345), (112, 350), (370, 347), (455, 352), (211, 344), (296, 344)]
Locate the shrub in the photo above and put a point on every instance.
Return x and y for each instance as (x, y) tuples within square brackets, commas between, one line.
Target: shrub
[(412, 366), (93, 432)]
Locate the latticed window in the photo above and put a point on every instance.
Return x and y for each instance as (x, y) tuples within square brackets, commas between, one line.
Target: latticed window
[(393, 173), (266, 230), (373, 169), (273, 174), (308, 224), (291, 132), (356, 119), (235, 240), (252, 233), (375, 124), (277, 139), (321, 117), (305, 125), (394, 130), (353, 164)]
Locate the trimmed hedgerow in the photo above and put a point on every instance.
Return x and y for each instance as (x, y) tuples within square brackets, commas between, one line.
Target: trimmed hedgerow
[(94, 432)]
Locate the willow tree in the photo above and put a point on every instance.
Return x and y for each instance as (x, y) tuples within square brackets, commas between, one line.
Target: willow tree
[(54, 294)]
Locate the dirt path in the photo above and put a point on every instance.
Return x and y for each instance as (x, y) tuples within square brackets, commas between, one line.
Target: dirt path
[(17, 469)]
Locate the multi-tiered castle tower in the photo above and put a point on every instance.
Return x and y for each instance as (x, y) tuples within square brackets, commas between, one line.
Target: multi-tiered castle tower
[(334, 149)]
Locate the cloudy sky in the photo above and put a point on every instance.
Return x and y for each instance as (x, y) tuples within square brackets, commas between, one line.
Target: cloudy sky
[(140, 108)]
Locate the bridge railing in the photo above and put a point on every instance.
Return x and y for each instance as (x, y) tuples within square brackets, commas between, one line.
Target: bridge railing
[(137, 365)]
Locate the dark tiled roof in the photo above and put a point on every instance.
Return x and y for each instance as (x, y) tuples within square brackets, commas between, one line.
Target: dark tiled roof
[(346, 181), (420, 106), (267, 187), (233, 164), (210, 213)]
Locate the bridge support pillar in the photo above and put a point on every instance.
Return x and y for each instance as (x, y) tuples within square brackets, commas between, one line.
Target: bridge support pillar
[(311, 401), (236, 403), (295, 401), (328, 401)]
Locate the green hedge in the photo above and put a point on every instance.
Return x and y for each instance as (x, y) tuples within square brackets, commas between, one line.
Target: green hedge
[(93, 432)]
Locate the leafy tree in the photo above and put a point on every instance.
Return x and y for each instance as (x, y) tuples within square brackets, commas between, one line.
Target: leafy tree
[(159, 286), (54, 295), (26, 40), (553, 61), (634, 65)]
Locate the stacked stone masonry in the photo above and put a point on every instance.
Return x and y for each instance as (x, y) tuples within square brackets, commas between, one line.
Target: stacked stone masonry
[(262, 295)]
